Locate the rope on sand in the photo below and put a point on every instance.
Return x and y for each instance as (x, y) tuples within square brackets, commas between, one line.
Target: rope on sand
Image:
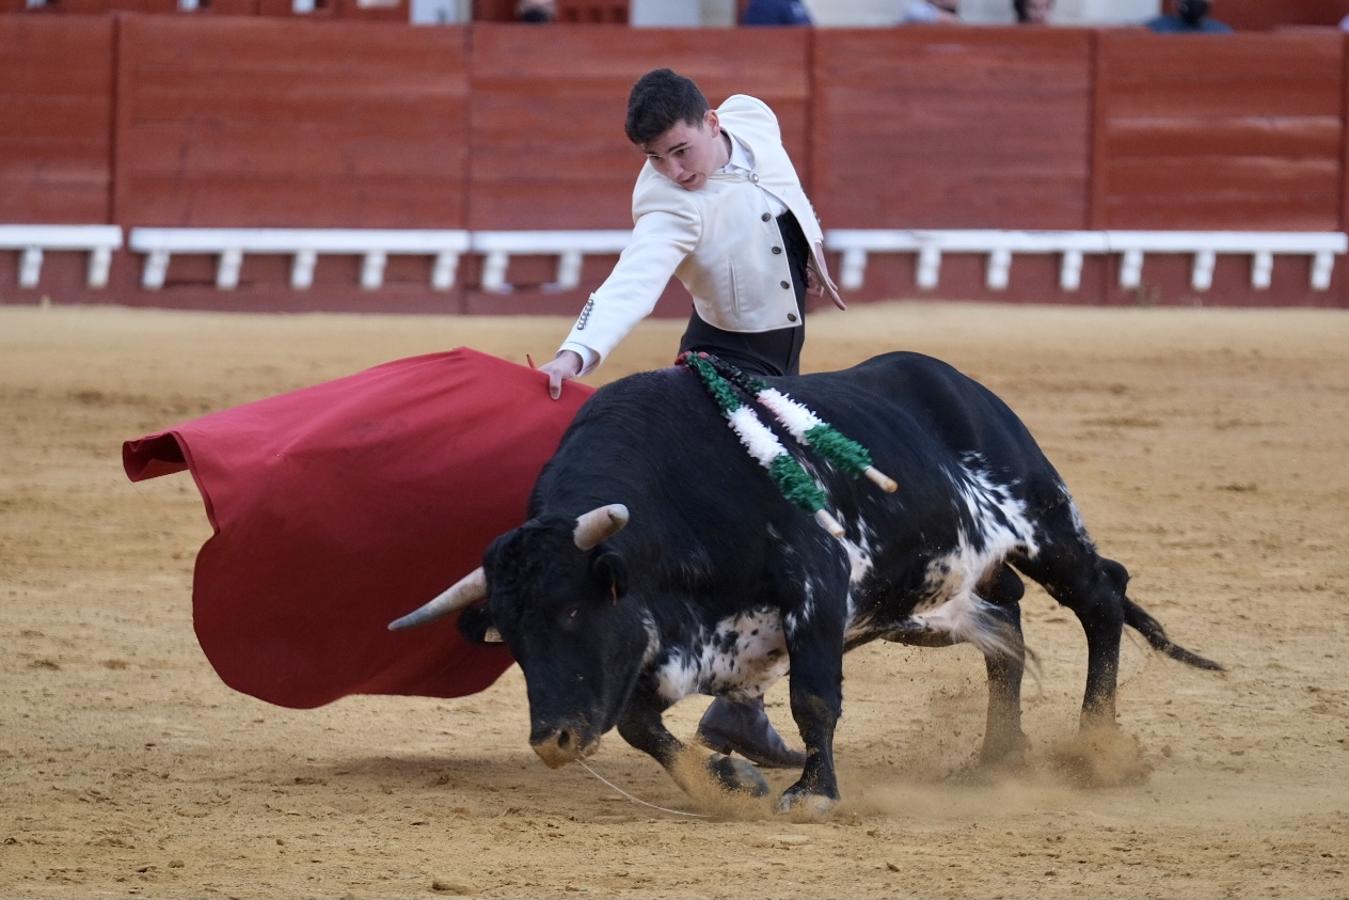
[(673, 812)]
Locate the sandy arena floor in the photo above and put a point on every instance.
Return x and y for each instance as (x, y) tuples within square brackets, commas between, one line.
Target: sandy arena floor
[(1209, 451)]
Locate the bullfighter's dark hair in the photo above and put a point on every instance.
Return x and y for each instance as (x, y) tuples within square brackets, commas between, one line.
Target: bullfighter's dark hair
[(658, 100), (1019, 7)]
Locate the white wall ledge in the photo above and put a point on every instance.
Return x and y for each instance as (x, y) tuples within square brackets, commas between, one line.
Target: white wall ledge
[(374, 245), (856, 245), (304, 246), (32, 241)]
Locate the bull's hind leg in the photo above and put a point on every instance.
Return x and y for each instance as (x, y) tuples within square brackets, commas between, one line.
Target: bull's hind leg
[(1004, 741), (1093, 588)]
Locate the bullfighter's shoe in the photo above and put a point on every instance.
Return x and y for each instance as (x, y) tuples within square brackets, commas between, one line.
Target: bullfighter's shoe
[(744, 728)]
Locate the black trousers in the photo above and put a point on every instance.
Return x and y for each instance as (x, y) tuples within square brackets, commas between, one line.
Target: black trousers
[(776, 352)]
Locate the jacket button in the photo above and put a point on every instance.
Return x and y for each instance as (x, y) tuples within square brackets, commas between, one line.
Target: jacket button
[(766, 217), (785, 284), (777, 250), (791, 317)]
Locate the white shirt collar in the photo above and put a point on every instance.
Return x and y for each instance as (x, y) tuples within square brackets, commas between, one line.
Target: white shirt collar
[(740, 160)]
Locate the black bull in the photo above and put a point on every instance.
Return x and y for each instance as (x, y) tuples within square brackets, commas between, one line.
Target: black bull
[(720, 586)]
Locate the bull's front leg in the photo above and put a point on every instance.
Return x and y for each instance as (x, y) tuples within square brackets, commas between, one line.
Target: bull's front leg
[(816, 648), (642, 726)]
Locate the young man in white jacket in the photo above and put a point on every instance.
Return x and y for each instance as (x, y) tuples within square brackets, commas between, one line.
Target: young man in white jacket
[(718, 205)]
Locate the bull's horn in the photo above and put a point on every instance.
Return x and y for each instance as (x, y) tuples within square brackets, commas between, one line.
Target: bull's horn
[(469, 589), (598, 524)]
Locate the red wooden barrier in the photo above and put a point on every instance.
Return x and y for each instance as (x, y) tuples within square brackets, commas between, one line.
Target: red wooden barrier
[(942, 128), (262, 122), (1263, 15), (1242, 132), (241, 121), (1239, 132), (954, 128), (56, 78), (494, 10), (594, 12)]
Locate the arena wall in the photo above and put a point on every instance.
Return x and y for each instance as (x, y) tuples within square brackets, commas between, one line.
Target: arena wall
[(266, 122)]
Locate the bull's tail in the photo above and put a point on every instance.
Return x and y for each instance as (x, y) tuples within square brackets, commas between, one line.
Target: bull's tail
[(1136, 617)]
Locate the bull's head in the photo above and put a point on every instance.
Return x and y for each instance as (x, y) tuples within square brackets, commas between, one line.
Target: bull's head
[(556, 594)]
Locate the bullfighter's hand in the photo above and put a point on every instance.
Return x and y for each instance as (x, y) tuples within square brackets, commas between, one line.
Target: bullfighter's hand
[(566, 365)]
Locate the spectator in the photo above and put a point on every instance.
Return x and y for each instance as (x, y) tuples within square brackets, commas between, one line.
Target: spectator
[(776, 12), (931, 12), (536, 11), (1033, 12), (1191, 17)]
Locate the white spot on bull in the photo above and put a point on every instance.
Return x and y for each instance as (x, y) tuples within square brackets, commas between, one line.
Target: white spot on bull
[(742, 657), (1076, 515), (652, 640), (677, 677), (859, 552), (999, 526), (860, 564)]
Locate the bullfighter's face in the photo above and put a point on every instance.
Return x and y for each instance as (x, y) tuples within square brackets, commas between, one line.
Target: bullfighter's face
[(688, 154)]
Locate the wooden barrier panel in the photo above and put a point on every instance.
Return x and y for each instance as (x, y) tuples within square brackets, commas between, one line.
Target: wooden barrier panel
[(1263, 15), (56, 76), (548, 105), (941, 128), (613, 12), (494, 10), (1341, 265), (1240, 132), (254, 121)]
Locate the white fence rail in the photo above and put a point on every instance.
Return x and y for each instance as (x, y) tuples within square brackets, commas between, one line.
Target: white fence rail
[(33, 241), (303, 245), (856, 247)]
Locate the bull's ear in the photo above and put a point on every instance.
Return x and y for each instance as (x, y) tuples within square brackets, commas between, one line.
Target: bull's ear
[(476, 624), (611, 572)]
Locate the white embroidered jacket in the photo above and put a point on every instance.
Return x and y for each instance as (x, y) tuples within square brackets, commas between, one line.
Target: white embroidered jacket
[(721, 241)]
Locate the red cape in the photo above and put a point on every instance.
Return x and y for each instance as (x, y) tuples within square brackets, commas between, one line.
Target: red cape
[(340, 507)]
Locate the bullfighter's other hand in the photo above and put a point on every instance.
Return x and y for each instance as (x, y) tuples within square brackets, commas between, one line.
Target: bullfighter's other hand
[(566, 365)]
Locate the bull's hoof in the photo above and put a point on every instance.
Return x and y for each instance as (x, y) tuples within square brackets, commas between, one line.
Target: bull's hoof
[(799, 801), (1005, 754), (737, 776), (1102, 756)]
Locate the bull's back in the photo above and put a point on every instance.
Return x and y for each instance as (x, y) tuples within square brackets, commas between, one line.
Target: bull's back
[(660, 432), (922, 401)]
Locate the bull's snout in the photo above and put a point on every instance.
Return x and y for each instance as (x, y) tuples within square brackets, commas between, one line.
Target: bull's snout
[(559, 746)]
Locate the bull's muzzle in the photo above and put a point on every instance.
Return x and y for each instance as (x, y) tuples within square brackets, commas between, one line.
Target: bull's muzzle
[(559, 746)]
